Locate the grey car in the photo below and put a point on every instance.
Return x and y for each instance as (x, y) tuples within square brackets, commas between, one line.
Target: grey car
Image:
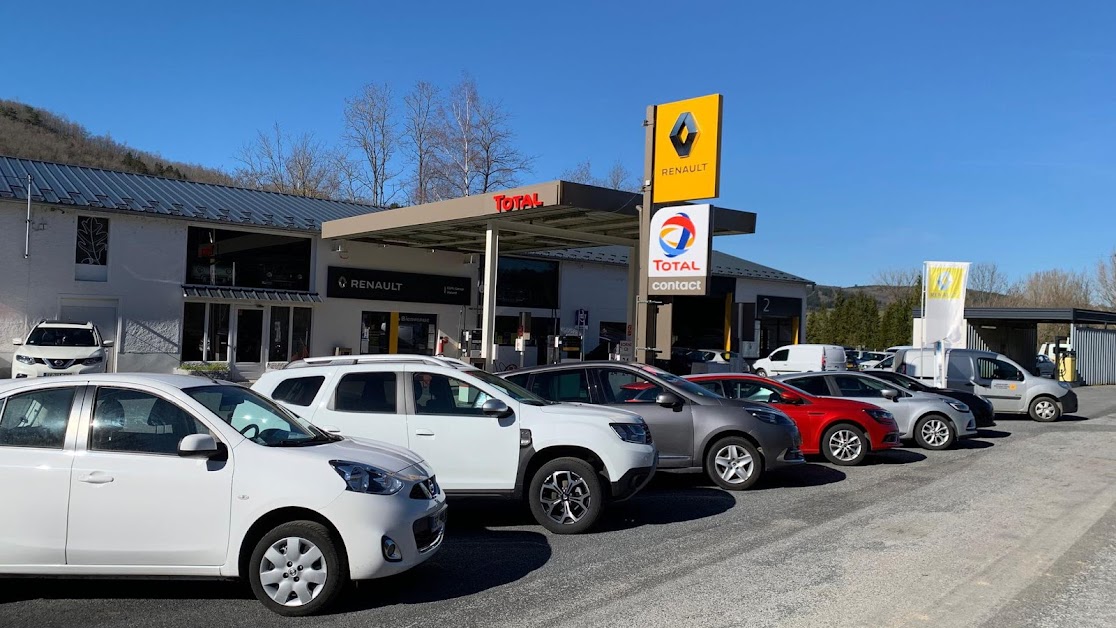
[(932, 421), (733, 442)]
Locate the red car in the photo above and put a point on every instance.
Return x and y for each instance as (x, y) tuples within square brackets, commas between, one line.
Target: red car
[(842, 430)]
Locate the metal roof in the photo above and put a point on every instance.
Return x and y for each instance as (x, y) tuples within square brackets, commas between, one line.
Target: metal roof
[(1036, 315), (724, 265), (79, 186), (249, 294)]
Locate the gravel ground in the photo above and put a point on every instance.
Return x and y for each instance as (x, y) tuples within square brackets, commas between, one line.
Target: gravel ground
[(1014, 528)]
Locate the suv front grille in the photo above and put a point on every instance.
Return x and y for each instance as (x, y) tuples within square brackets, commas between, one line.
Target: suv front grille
[(426, 489)]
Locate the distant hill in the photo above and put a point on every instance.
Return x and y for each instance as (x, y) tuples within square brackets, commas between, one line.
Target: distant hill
[(31, 133)]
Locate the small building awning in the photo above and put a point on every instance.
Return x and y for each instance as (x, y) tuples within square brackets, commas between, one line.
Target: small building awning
[(547, 216), (248, 294), (1075, 316)]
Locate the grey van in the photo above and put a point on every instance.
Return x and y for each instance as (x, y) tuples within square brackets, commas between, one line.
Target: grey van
[(1010, 387)]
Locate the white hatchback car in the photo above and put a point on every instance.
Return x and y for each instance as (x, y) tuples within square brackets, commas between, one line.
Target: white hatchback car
[(485, 435), (162, 475), (59, 348)]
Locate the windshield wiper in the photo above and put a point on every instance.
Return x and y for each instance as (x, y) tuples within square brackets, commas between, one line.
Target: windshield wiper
[(302, 442)]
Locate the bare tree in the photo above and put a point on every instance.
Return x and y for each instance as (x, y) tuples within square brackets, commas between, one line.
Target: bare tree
[(620, 178), (1055, 288), (420, 134), (457, 140), (582, 172), (371, 132), (299, 165), (1106, 281), (899, 277), (988, 286), (498, 162)]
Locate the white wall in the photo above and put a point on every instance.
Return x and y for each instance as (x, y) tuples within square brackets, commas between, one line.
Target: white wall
[(146, 267), (337, 321), (600, 288)]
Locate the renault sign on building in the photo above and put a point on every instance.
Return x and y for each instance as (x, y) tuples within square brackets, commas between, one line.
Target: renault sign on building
[(687, 150), (678, 254)]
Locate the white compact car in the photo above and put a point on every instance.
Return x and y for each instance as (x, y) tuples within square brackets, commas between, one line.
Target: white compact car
[(59, 348), (485, 435), (161, 475)]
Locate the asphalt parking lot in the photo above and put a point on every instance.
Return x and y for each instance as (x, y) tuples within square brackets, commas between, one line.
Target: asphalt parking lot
[(1014, 528)]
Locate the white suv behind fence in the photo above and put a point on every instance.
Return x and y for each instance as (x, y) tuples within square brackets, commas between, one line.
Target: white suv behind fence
[(482, 435)]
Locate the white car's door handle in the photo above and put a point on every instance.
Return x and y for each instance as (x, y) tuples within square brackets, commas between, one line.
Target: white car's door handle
[(96, 478), (424, 432)]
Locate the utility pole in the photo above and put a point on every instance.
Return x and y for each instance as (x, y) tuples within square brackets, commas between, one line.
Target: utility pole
[(644, 333)]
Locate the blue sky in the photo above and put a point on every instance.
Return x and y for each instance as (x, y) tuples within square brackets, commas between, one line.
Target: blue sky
[(865, 135)]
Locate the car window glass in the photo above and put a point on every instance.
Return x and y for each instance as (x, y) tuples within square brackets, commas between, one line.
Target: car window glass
[(441, 394), (626, 387), (780, 355), (570, 386), (998, 369), (299, 391), (755, 391), (520, 380), (36, 419), (366, 392), (259, 419), (137, 422), (812, 385), (62, 337), (713, 386)]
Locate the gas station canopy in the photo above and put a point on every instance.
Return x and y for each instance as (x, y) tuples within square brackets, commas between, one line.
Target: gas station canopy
[(552, 215)]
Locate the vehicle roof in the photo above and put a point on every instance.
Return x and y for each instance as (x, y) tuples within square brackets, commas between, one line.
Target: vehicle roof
[(86, 324), (568, 365), (171, 381), (384, 358)]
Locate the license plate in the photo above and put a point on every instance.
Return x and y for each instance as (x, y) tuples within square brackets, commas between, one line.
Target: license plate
[(53, 374)]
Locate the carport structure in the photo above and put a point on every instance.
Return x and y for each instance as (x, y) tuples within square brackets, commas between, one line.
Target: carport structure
[(548, 216), (1013, 331)]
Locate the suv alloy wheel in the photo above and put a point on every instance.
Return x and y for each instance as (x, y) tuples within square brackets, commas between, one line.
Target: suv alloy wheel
[(566, 495)]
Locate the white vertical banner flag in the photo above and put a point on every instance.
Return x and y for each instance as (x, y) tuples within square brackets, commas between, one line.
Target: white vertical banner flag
[(943, 310)]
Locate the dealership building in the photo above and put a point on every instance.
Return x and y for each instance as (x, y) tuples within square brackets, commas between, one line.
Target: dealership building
[(176, 271)]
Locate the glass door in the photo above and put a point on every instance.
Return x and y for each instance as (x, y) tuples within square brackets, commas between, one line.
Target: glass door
[(248, 342)]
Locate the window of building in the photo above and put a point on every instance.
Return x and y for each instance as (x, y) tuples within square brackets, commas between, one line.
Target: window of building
[(527, 283), (572, 386), (443, 395), (36, 419), (366, 392), (205, 332), (137, 422), (375, 332), (299, 391), (91, 249), (220, 257)]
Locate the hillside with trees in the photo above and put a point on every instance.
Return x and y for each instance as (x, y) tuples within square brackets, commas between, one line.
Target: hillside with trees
[(31, 133)]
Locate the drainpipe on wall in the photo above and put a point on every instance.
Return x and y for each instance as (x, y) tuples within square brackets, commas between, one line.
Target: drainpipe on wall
[(27, 226)]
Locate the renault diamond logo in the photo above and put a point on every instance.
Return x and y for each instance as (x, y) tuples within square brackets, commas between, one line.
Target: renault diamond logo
[(684, 134), (342, 282)]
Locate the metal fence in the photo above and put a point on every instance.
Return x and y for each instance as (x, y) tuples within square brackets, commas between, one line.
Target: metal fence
[(1096, 354)]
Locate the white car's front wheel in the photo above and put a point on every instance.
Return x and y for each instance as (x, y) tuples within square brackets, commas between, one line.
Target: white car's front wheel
[(566, 496), (296, 570)]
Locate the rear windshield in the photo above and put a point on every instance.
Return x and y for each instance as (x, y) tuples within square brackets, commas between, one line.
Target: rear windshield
[(61, 337)]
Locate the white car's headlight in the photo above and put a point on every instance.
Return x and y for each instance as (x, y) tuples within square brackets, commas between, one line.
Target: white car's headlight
[(364, 478), (25, 359), (93, 360), (632, 432)]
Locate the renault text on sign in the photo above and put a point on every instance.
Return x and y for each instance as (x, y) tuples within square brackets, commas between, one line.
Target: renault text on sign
[(678, 254), (687, 150)]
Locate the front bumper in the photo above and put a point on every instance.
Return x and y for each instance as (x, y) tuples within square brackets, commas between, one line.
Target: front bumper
[(1068, 402), (966, 427), (889, 440), (364, 520), (786, 441), (633, 481), (21, 370)]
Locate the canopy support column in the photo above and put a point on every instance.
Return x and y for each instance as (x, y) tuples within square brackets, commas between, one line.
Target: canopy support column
[(488, 311)]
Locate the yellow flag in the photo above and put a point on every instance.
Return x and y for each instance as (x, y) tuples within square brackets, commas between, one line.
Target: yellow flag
[(945, 282)]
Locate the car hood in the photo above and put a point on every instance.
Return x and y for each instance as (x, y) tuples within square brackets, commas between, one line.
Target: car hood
[(376, 453), (58, 353), (588, 411)]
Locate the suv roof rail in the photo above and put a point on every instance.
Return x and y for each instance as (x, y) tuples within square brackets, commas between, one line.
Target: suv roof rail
[(60, 322), (344, 360)]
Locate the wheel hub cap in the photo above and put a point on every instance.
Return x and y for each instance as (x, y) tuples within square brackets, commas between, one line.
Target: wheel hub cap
[(935, 432), (734, 464), (293, 571), (845, 445)]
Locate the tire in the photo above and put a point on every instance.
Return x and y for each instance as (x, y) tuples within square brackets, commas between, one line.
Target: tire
[(761, 372), (566, 496), (727, 457), (318, 555), (935, 432), (845, 444), (1045, 410)]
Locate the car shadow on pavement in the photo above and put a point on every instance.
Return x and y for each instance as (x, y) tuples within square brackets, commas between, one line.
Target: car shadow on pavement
[(23, 589), (987, 433), (1024, 418), (972, 443), (893, 456), (469, 562)]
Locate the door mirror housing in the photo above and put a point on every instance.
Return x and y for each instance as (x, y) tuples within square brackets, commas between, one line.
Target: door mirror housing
[(107, 343), (198, 445), (890, 393), (496, 408), (17, 341), (789, 398), (668, 400)]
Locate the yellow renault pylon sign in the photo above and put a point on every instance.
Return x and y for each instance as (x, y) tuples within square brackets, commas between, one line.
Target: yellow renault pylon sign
[(687, 150)]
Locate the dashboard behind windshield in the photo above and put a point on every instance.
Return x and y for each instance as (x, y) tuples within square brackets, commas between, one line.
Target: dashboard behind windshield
[(257, 418)]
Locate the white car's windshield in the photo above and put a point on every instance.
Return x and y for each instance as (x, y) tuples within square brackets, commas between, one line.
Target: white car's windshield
[(256, 417), (62, 337)]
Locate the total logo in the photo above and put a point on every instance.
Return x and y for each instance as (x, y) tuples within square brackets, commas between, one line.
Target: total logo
[(676, 237)]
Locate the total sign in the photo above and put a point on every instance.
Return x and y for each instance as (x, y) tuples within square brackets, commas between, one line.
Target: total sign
[(678, 251)]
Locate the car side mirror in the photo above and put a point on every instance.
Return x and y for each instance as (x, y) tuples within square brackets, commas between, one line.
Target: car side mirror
[(108, 343), (198, 446), (496, 408), (17, 341), (891, 394), (668, 400), (789, 398)]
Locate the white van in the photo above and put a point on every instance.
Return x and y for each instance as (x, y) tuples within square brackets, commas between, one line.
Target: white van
[(1007, 385), (801, 359), (1052, 349)]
